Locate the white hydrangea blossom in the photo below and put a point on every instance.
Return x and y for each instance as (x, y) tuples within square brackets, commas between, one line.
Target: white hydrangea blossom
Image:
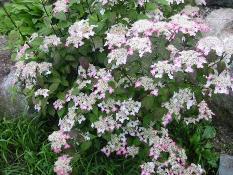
[(176, 162), (22, 51), (42, 92), (85, 101), (61, 6), (148, 84), (194, 169), (191, 11), (209, 43), (132, 151), (80, 118), (156, 15), (143, 26), (184, 24), (49, 41), (148, 168), (27, 72), (82, 83), (37, 107), (105, 124), (130, 107), (116, 36), (140, 44), (222, 82), (162, 28), (58, 141), (182, 99), (119, 56), (114, 2), (117, 143), (163, 67), (67, 123), (62, 165), (190, 58), (142, 2), (121, 117), (79, 31), (110, 105), (58, 104), (204, 114)]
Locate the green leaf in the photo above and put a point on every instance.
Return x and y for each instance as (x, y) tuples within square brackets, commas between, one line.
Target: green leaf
[(61, 112), (209, 132), (95, 111), (85, 145), (51, 110), (61, 16), (148, 102), (195, 139), (70, 58), (53, 87), (162, 2)]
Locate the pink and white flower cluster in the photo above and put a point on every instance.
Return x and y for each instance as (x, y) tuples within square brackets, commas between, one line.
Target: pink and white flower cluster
[(149, 85), (213, 43), (27, 72), (61, 6), (79, 31), (175, 164), (59, 140), (62, 165), (124, 42), (95, 99), (42, 92), (49, 41), (222, 82)]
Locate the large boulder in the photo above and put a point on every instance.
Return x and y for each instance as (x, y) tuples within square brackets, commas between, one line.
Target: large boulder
[(221, 23), (10, 104), (5, 63), (226, 165), (220, 3)]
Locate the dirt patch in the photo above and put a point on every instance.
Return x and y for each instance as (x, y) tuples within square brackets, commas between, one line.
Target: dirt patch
[(223, 122)]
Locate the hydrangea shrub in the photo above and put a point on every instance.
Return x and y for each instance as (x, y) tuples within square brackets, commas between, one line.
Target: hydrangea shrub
[(119, 72)]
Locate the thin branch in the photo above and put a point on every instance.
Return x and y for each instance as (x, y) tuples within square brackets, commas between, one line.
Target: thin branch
[(47, 15), (13, 22)]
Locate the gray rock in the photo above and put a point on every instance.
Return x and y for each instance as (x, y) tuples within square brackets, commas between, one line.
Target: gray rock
[(5, 62), (220, 3), (226, 165), (10, 104), (221, 24)]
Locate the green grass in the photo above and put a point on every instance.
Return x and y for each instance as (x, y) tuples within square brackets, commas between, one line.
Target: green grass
[(98, 164), (24, 148)]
